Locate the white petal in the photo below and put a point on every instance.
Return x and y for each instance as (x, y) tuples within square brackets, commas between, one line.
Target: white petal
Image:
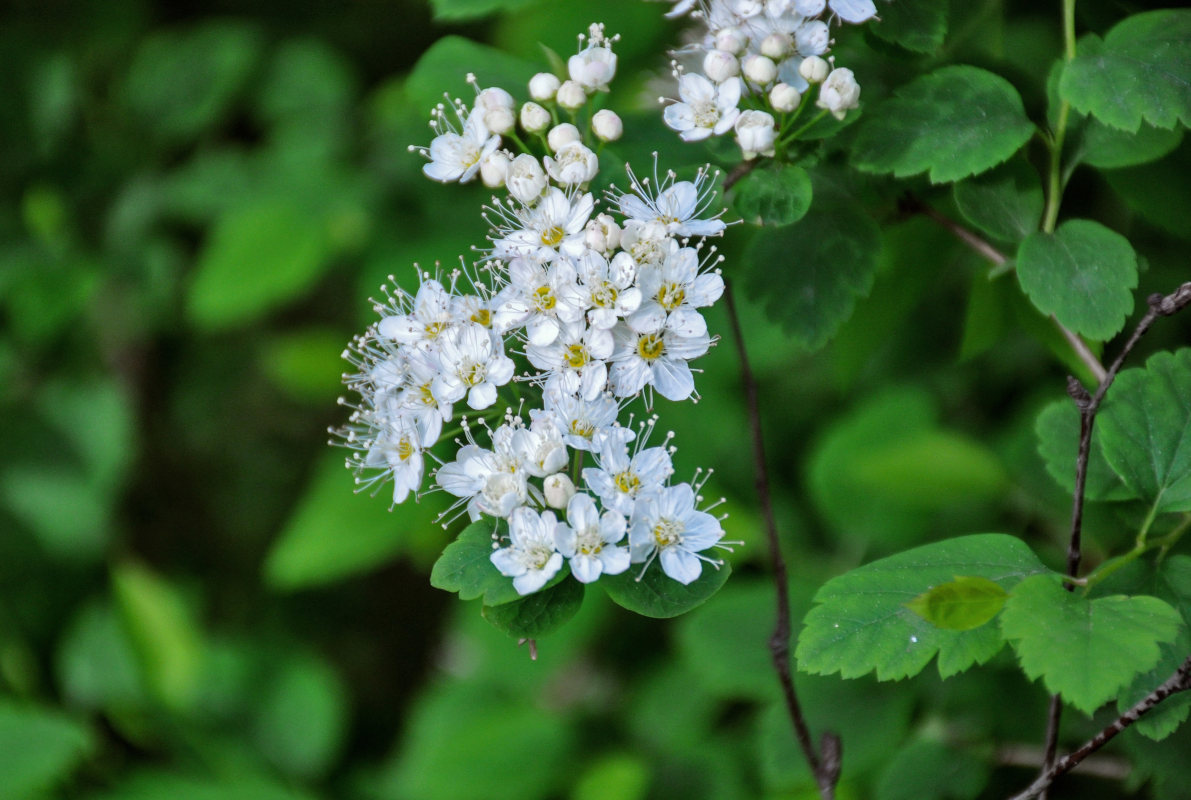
[(680, 565), (481, 396), (673, 379)]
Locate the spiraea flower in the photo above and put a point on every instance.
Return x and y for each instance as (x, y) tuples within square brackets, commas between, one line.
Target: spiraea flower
[(705, 108), (667, 526), (532, 557), (589, 540), (461, 145)]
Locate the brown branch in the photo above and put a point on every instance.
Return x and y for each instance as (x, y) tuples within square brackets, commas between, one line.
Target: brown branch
[(738, 172), (826, 769)]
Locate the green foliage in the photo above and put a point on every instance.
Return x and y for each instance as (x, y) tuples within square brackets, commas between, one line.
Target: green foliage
[(466, 567), (150, 785), (960, 605), (930, 770), (1086, 650), (1145, 429), (1157, 191), (39, 749), (1005, 203), (1058, 444), (655, 594), (1111, 148), (780, 196), (919, 27), (862, 622), (539, 613), (1083, 273), (812, 272), (1139, 72), (444, 67), (471, 9), (955, 122), (302, 718)]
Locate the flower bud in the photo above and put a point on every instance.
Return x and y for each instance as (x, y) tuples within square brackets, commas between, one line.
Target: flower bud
[(760, 69), (562, 135), (719, 66), (525, 178), (494, 97), (494, 169), (731, 40), (593, 68), (499, 120), (543, 86), (606, 125), (776, 46), (839, 92), (755, 133), (784, 97), (571, 96), (814, 69), (534, 118), (812, 38), (558, 490), (602, 234)]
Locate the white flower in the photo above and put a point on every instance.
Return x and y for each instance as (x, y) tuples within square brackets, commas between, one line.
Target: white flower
[(644, 244), (539, 298), (472, 365), (525, 179), (620, 478), (607, 125), (678, 206), (755, 133), (455, 155), (583, 423), (667, 526), (674, 289), (720, 66), (655, 358), (430, 317), (592, 68), (812, 38), (556, 224), (543, 86), (588, 541), (602, 234), (494, 169), (396, 450), (496, 105), (705, 108), (578, 357), (731, 40), (491, 482), (573, 164), (606, 290), (531, 559), (534, 118), (839, 92), (776, 46), (854, 11)]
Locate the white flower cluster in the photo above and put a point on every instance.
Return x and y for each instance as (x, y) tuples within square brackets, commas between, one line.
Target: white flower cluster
[(583, 310), (771, 50)]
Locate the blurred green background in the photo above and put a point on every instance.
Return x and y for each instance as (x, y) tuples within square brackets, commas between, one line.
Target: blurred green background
[(198, 200)]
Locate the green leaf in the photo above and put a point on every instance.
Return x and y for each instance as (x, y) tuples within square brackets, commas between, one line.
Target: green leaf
[(1058, 444), (1111, 148), (152, 785), (1083, 273), (812, 272), (96, 665), (1005, 203), (778, 196), (307, 364), (39, 749), (537, 614), (1085, 650), (258, 257), (1145, 428), (960, 605), (181, 83), (954, 122), (444, 68), (617, 775), (929, 770), (1142, 71), (165, 637), (1159, 191), (918, 26), (301, 717), (861, 622), (455, 10), (655, 594), (725, 642), (466, 567)]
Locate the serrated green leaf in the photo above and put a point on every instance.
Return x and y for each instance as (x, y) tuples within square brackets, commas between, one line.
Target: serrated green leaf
[(954, 122), (655, 594), (1083, 273), (539, 613), (1141, 72), (960, 605), (778, 196), (861, 622), (1111, 148), (1005, 203), (455, 10), (811, 273), (39, 749), (1085, 650), (466, 568), (1058, 444), (258, 257), (1145, 430), (918, 26)]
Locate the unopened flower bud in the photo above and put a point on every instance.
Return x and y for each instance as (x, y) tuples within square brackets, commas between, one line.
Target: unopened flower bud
[(562, 135), (602, 234), (839, 92), (534, 118), (814, 69), (558, 490), (499, 120), (755, 133), (759, 69), (812, 38), (494, 169), (525, 178), (784, 97), (776, 46), (720, 66), (731, 40), (543, 86), (494, 97), (571, 96), (606, 125)]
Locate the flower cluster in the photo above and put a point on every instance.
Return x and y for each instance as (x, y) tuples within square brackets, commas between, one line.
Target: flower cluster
[(768, 54), (570, 314)]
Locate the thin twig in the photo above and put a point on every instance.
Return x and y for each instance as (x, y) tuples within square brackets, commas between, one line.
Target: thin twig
[(826, 769), (738, 172), (1180, 681), (1101, 765)]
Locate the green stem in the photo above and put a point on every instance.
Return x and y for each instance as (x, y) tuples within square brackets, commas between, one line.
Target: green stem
[(1055, 178), (1142, 547), (794, 135)]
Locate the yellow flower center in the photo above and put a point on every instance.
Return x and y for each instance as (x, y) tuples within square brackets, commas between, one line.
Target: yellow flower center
[(552, 236), (651, 346), (405, 448), (627, 482), (582, 427), (543, 298), (482, 316), (473, 374), (434, 329), (576, 356), (670, 296), (604, 296), (667, 532)]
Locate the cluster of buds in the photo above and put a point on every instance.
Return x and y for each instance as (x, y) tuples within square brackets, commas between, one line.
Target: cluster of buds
[(570, 315), (773, 51)]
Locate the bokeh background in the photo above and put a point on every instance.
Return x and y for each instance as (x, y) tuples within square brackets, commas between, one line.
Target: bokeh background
[(198, 201)]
